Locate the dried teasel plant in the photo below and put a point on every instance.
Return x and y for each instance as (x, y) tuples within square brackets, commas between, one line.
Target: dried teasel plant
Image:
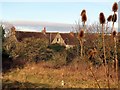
[(114, 17), (83, 12), (115, 7), (80, 38), (102, 18), (81, 34), (109, 19), (114, 33), (84, 18), (92, 53), (102, 21)]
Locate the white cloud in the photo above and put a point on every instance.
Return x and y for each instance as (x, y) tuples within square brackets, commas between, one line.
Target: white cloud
[(25, 29)]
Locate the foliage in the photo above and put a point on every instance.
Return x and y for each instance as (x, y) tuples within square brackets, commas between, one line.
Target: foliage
[(31, 49), (58, 60), (2, 33), (72, 53), (56, 47)]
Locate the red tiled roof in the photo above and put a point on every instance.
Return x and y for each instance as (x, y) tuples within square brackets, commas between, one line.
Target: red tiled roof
[(67, 37), (20, 35)]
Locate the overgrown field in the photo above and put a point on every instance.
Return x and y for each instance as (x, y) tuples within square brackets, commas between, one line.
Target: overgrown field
[(93, 61), (76, 75)]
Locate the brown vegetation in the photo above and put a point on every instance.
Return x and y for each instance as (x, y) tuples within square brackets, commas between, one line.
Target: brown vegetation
[(32, 61)]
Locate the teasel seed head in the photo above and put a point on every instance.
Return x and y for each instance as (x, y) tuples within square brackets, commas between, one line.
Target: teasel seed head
[(102, 18), (109, 18), (81, 34), (114, 18), (115, 7), (114, 33), (83, 12), (84, 18)]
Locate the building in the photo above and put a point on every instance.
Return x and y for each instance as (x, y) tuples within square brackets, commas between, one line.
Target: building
[(66, 39)]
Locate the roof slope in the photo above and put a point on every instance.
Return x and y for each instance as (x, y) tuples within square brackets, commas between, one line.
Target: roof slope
[(67, 37)]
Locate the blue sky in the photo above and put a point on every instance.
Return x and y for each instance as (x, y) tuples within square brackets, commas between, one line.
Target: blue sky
[(61, 12)]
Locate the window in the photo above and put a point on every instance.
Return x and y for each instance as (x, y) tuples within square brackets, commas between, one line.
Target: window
[(58, 39)]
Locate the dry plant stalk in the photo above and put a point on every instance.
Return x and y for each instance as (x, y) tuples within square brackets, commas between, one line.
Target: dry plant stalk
[(81, 34), (115, 53), (90, 68), (102, 21), (114, 19), (80, 37), (109, 19)]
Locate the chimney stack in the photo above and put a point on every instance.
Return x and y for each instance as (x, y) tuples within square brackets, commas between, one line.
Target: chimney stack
[(72, 34), (44, 30)]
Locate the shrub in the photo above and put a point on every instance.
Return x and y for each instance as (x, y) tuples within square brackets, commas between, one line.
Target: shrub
[(72, 53), (30, 49), (56, 47), (58, 60)]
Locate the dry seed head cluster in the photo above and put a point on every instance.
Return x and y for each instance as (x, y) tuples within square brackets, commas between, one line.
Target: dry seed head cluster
[(115, 7), (81, 34), (114, 33), (84, 16), (109, 18), (102, 18), (83, 12)]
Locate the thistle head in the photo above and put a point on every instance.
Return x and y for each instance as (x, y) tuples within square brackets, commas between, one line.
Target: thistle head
[(114, 17), (115, 7), (102, 18), (83, 12), (109, 18)]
